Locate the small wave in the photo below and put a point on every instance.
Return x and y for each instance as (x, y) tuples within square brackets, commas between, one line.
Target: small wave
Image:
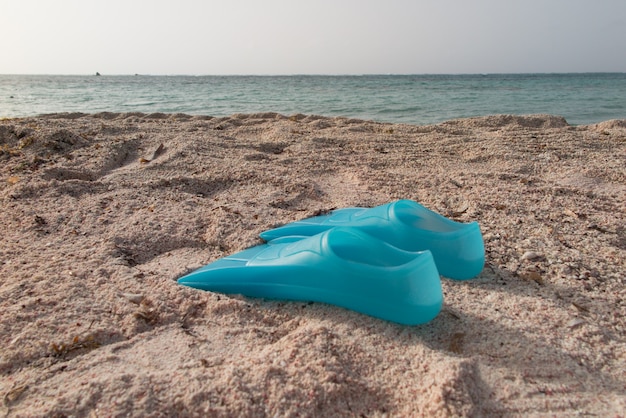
[(139, 104)]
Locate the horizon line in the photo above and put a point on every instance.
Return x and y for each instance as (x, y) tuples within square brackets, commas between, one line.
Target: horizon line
[(98, 74)]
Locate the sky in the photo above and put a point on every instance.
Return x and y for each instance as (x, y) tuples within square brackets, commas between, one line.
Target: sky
[(214, 37)]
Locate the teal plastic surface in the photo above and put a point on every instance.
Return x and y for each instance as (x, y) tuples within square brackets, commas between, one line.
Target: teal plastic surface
[(457, 248), (341, 266)]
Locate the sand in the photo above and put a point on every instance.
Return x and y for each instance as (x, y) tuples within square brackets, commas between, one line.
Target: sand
[(102, 213)]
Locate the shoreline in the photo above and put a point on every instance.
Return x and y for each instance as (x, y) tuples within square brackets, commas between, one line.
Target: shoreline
[(502, 119), (103, 212)]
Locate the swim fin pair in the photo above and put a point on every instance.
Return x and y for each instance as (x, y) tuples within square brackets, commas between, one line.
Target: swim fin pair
[(367, 260)]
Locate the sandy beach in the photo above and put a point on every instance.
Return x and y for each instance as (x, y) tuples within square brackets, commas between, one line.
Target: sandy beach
[(102, 213)]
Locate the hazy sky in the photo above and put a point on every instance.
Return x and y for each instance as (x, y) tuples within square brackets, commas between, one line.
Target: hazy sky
[(311, 37)]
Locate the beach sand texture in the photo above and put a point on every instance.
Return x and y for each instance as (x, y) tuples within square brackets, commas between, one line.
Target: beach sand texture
[(102, 213)]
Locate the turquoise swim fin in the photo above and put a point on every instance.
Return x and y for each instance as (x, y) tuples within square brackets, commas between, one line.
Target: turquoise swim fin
[(457, 248), (342, 266)]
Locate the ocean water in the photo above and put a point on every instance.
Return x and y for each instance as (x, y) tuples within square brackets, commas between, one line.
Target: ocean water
[(415, 99)]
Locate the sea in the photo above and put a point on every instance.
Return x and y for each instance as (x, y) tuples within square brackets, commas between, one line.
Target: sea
[(581, 98)]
